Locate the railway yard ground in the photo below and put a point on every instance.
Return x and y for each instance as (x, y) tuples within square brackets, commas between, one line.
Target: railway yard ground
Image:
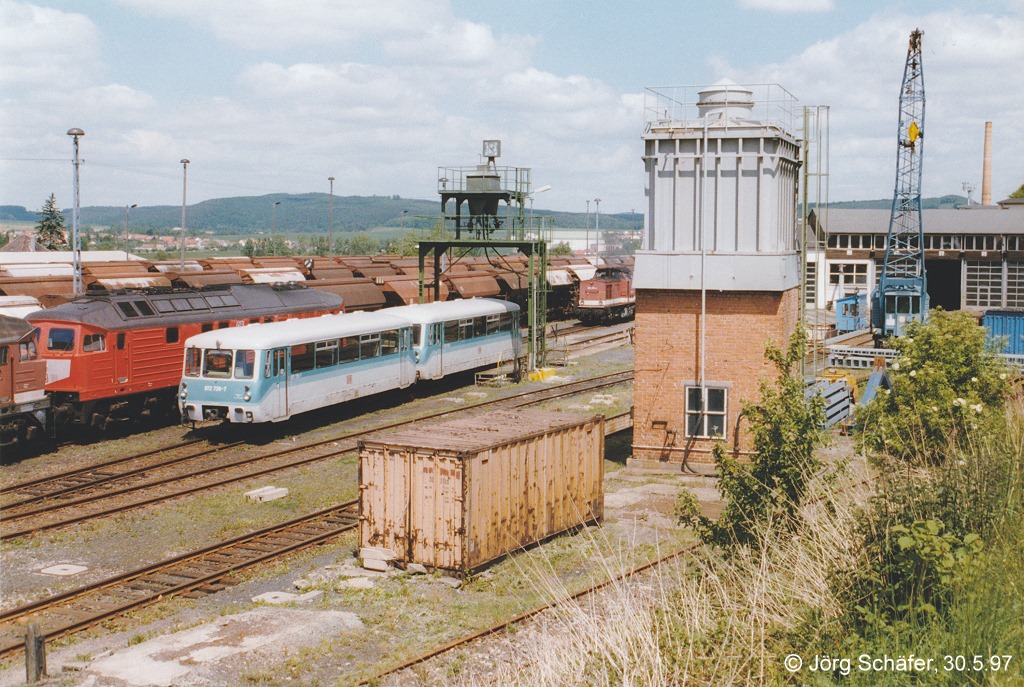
[(316, 617)]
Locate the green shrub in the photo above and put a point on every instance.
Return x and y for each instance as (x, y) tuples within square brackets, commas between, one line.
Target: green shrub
[(786, 431), (948, 385)]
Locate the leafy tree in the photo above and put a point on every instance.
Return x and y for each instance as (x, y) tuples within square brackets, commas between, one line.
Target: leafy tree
[(1019, 193), (50, 226), (5, 238), (947, 384), (362, 244), (631, 246), (786, 432), (560, 248)]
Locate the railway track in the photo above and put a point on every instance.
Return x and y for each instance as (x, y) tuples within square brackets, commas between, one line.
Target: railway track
[(196, 573), (505, 625), (118, 486)]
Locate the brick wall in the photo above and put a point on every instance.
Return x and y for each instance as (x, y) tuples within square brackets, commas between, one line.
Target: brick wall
[(668, 356)]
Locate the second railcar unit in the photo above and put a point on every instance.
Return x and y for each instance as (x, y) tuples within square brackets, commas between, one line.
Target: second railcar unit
[(117, 356), (268, 373)]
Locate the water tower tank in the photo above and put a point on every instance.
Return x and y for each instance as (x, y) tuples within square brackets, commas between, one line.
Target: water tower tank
[(722, 167)]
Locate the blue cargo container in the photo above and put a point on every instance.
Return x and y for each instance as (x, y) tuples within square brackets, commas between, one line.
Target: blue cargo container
[(1005, 327)]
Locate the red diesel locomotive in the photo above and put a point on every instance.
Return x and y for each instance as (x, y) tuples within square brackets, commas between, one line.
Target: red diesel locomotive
[(24, 405), (117, 356), (607, 297)]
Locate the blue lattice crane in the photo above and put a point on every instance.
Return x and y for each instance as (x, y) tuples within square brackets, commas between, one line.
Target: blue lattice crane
[(902, 295)]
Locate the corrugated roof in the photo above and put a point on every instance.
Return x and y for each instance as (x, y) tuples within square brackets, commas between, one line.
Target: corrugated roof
[(974, 221), (479, 432), (407, 291), (208, 277), (357, 293), (471, 287)]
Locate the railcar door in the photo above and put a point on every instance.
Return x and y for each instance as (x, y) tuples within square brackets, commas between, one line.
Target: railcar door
[(407, 373), (277, 393)]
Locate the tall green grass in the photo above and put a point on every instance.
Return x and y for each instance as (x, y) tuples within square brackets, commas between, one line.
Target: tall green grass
[(851, 578)]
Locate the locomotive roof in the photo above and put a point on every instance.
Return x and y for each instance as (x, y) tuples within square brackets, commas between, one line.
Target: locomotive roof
[(291, 332), (439, 311), (131, 309), (14, 329)]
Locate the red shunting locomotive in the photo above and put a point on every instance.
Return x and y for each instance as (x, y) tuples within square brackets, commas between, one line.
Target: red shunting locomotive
[(607, 297), (24, 405)]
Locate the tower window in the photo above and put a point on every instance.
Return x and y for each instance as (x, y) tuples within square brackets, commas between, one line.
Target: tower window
[(706, 411)]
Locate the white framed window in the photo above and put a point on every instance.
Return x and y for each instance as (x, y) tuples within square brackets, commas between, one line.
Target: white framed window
[(984, 284), (706, 411)]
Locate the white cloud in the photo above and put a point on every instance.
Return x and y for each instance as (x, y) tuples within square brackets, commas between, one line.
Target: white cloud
[(70, 43), (971, 63), (789, 6), (263, 25)]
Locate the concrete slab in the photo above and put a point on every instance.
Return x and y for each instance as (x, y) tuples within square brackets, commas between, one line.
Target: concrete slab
[(213, 653)]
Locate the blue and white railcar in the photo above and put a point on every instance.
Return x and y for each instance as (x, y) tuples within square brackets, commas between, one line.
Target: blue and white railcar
[(269, 372), (459, 335)]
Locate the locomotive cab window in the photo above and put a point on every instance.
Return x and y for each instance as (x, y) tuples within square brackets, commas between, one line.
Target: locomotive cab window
[(28, 350), (171, 335), (3, 355), (60, 339), (92, 343), (217, 364)]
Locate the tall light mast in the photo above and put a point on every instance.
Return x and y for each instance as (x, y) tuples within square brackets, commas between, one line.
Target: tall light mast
[(902, 295)]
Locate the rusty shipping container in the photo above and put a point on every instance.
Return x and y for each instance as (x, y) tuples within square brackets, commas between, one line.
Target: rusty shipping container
[(459, 494)]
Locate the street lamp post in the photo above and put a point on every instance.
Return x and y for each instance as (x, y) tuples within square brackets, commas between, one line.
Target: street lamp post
[(542, 189), (126, 209), (597, 222), (184, 198), (330, 222), (273, 227), (76, 221)]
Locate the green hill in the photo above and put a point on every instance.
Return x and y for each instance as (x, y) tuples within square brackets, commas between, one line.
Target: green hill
[(308, 214)]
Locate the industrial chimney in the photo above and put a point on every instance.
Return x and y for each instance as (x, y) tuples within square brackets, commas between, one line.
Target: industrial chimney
[(986, 171)]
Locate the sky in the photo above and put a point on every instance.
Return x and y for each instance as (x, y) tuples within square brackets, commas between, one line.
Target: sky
[(275, 96)]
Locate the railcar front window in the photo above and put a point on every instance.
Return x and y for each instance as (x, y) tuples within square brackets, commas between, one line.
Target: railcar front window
[(193, 361), (245, 361), (217, 363), (59, 339)]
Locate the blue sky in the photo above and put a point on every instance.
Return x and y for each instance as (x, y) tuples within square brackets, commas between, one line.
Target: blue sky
[(267, 96)]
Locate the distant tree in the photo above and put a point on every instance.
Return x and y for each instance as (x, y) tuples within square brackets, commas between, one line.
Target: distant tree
[(1019, 193), (50, 226), (5, 238), (631, 246), (560, 248), (362, 244)]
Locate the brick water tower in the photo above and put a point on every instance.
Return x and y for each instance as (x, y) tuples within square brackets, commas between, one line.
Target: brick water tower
[(719, 273)]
